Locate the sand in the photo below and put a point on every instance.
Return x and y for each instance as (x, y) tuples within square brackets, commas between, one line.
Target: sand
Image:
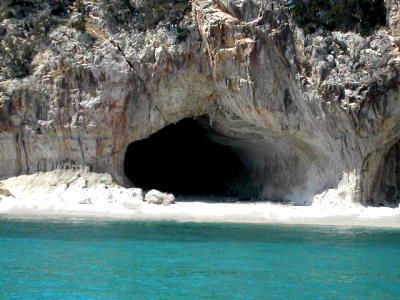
[(79, 193)]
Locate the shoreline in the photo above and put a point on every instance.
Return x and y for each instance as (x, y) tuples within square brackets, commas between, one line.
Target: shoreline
[(201, 212), (81, 194)]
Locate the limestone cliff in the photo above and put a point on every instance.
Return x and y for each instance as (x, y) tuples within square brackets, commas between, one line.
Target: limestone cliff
[(309, 95)]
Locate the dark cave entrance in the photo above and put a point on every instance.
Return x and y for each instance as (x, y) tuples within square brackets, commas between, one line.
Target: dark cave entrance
[(389, 179), (184, 159)]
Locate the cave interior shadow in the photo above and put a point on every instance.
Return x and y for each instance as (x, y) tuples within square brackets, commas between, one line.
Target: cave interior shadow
[(185, 160)]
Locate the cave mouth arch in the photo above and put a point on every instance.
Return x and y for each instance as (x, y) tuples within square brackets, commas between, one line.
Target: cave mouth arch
[(186, 159), (388, 179)]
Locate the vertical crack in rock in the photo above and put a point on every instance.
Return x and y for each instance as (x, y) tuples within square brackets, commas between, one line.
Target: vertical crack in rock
[(81, 148), (18, 164), (143, 83), (26, 155)]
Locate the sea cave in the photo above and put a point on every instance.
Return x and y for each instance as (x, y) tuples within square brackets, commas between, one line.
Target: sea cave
[(190, 158)]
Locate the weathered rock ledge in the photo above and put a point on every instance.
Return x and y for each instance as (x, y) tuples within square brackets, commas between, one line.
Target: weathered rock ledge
[(315, 115)]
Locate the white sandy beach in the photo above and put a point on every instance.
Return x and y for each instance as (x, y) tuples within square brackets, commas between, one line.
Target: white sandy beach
[(63, 193), (267, 213)]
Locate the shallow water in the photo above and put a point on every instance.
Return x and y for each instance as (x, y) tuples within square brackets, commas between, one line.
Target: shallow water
[(78, 259)]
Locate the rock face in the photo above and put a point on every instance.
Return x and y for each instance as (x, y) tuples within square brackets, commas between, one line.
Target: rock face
[(310, 106)]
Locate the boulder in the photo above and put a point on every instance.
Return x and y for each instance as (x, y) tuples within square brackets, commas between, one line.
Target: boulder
[(157, 197)]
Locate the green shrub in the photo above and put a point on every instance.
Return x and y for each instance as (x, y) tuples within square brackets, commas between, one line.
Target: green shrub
[(16, 53), (182, 34), (23, 8), (147, 14), (170, 12), (78, 24), (363, 16), (120, 12), (6, 14), (79, 6)]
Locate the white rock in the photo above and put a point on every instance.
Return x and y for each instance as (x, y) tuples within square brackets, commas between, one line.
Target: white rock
[(157, 197), (131, 198)]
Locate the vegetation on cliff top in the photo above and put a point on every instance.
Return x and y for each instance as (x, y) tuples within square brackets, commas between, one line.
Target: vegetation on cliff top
[(33, 21), (25, 8), (147, 14), (363, 16)]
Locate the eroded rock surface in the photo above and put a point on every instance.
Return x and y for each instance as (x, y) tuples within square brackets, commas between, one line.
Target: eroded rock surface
[(67, 190), (311, 108), (157, 197)]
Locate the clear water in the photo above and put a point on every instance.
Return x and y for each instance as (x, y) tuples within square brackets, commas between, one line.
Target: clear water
[(149, 260)]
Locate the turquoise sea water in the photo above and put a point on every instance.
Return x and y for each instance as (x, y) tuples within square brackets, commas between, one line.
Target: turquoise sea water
[(77, 259)]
